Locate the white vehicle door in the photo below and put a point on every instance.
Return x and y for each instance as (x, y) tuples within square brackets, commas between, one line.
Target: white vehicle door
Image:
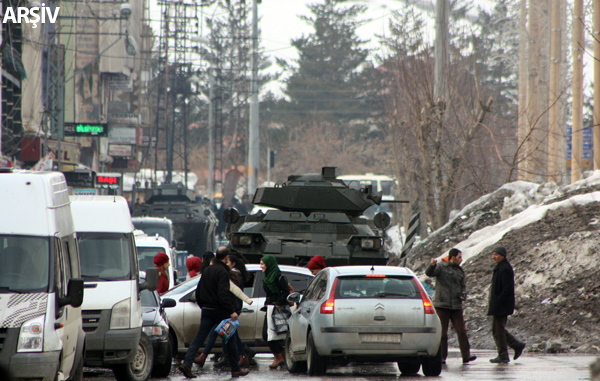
[(309, 305)]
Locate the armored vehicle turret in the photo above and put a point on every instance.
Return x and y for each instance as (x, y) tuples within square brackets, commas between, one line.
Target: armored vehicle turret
[(194, 222), (314, 214)]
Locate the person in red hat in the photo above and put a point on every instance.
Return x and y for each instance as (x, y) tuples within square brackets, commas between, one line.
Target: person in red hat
[(316, 264), (161, 260), (193, 265)]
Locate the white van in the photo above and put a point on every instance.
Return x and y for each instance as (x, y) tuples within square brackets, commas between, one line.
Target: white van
[(111, 310), (147, 248), (41, 335)]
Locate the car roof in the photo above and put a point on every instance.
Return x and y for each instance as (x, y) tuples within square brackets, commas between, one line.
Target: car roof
[(362, 270), (250, 267)]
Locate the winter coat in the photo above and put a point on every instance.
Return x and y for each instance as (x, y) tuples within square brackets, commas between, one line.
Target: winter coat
[(449, 285), (281, 299), (213, 288), (163, 284), (502, 290)]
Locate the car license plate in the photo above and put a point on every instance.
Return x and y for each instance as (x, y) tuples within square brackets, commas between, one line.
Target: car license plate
[(380, 337)]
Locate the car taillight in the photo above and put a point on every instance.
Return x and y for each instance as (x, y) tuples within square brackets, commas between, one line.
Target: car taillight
[(327, 307), (426, 301)]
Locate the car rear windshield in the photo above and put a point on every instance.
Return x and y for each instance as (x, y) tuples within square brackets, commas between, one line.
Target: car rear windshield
[(378, 286)]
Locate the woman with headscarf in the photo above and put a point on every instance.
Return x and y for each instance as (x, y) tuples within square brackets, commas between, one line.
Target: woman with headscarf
[(161, 260), (277, 290), (193, 265), (316, 264)]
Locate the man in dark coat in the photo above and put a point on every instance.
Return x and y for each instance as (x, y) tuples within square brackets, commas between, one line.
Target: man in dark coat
[(502, 304), (450, 291), (213, 296)]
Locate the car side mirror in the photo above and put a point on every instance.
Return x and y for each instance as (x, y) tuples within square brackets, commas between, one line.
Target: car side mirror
[(74, 295), (168, 303), (151, 283), (294, 297)]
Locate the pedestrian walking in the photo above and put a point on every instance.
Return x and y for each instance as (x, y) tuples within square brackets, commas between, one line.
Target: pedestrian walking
[(450, 292), (316, 264), (502, 304), (277, 290), (193, 265), (217, 304), (161, 260)]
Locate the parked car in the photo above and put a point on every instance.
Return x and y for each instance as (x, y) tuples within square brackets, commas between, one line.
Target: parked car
[(184, 319), (155, 326), (364, 314)]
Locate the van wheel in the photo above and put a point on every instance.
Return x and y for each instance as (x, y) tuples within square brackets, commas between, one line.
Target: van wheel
[(317, 365), (162, 370), (290, 362), (77, 371), (140, 367), (432, 366)]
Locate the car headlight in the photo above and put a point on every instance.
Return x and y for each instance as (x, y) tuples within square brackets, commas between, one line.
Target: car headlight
[(155, 330), (31, 338), (120, 315)]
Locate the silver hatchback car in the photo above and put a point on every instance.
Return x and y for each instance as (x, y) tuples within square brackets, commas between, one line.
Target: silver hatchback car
[(364, 314)]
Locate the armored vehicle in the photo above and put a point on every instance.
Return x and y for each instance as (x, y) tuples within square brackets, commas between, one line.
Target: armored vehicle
[(313, 214), (194, 222)]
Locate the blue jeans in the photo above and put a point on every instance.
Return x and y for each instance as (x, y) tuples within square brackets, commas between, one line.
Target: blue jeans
[(211, 318)]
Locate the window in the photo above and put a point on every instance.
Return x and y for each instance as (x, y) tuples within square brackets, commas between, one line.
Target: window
[(317, 286), (299, 282), (357, 287), (25, 263), (106, 256)]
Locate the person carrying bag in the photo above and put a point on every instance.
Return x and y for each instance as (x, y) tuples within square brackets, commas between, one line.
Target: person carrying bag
[(277, 290)]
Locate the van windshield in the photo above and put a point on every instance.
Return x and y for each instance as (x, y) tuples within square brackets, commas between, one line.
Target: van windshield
[(105, 256), (25, 263)]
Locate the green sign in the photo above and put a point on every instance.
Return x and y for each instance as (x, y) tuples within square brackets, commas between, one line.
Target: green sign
[(86, 129)]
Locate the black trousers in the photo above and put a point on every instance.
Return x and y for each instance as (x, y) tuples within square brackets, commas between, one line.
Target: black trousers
[(502, 337), (446, 316)]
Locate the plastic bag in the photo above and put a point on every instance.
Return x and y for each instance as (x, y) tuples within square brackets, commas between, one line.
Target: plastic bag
[(280, 316), (227, 328), (272, 335)]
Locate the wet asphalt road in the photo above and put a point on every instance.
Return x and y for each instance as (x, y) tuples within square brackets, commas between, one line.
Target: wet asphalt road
[(530, 367)]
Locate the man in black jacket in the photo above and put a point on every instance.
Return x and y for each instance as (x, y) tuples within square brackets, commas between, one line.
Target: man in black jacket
[(502, 304), (213, 296)]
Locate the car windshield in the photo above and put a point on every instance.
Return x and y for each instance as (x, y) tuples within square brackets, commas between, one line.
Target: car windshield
[(146, 256), (357, 287), (106, 256), (25, 263)]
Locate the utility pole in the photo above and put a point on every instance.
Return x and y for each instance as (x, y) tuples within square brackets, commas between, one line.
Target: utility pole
[(211, 134), (523, 74), (596, 128), (577, 127), (534, 163), (253, 131), (555, 163), (442, 9)]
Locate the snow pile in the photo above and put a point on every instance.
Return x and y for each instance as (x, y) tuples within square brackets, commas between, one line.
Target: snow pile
[(552, 236)]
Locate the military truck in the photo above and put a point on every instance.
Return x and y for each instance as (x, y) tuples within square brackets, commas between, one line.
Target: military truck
[(312, 214), (194, 221)]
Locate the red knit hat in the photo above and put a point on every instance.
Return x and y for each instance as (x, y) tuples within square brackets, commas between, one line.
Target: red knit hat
[(317, 263), (160, 259)]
